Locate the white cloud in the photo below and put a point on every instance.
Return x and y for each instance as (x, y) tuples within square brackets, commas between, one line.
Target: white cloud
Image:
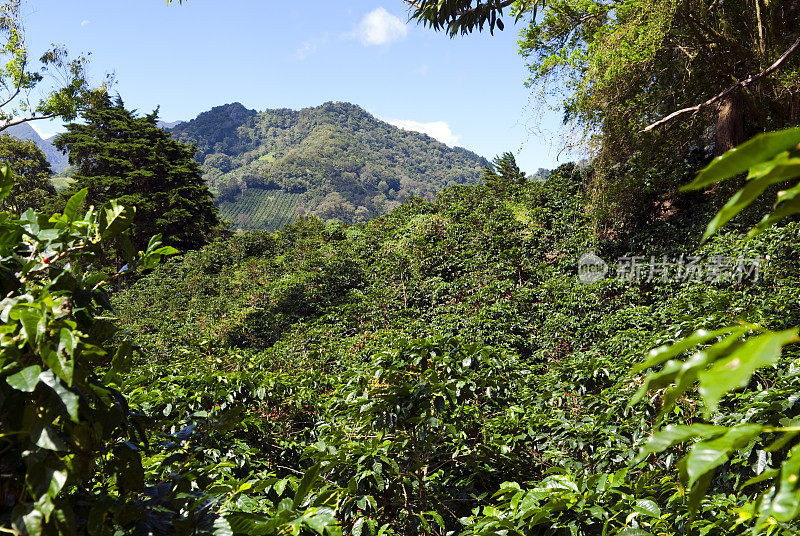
[(85, 22), (379, 27), (435, 129)]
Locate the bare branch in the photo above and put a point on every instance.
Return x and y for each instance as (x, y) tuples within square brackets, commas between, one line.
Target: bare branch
[(20, 120), (740, 84)]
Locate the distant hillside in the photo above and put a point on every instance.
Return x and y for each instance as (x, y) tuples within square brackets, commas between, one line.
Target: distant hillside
[(166, 125), (58, 160), (335, 161)]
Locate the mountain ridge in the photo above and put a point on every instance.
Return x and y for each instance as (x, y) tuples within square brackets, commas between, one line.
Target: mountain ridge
[(58, 160), (334, 161)]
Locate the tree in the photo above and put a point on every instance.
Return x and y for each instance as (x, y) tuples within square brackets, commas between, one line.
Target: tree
[(625, 64), (503, 172), (57, 87), (622, 67), (121, 156), (32, 188)]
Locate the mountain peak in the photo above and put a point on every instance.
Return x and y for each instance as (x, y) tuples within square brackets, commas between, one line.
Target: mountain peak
[(58, 160), (335, 161)]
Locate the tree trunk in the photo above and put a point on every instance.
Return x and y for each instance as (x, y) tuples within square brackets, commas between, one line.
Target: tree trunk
[(730, 123)]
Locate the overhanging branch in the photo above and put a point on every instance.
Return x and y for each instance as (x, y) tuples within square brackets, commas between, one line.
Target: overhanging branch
[(740, 84)]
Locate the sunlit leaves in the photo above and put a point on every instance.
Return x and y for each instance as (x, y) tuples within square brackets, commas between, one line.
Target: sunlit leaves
[(58, 417), (756, 153), (770, 158)]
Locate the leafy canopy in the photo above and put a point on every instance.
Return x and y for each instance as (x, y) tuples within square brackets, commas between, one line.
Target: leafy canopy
[(32, 187), (118, 155)]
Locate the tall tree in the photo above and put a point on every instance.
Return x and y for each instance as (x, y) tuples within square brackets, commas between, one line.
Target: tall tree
[(730, 69), (119, 155), (503, 172), (32, 187)]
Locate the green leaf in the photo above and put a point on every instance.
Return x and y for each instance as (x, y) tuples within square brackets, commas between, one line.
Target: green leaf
[(766, 475), (697, 493), (658, 355), (673, 435), (785, 505), (788, 204), (30, 319), (735, 205), (357, 526), (165, 250), (648, 508), (736, 369), (707, 455), (114, 219), (305, 485), (127, 465), (46, 438), (738, 160), (221, 527), (280, 486), (6, 181), (67, 397), (75, 202), (45, 478), (61, 365), (25, 380)]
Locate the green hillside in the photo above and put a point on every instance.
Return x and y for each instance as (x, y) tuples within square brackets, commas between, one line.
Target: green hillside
[(342, 162), (258, 208), (438, 364)]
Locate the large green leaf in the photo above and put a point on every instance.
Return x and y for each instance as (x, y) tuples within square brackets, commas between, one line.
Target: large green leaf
[(709, 454), (65, 396), (648, 508), (305, 485), (785, 504), (6, 181), (25, 380), (739, 201), (47, 438), (673, 435), (74, 203), (115, 218), (787, 204), (738, 160), (736, 369), (658, 355)]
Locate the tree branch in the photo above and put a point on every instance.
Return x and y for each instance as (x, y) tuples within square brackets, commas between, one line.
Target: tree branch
[(502, 5), (740, 84), (19, 121)]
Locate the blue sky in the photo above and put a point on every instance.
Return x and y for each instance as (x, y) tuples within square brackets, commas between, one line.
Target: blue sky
[(467, 91)]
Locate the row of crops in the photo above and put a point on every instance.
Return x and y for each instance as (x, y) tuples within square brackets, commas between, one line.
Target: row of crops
[(258, 208)]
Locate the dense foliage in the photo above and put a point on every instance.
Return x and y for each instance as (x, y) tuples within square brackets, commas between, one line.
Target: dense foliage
[(120, 156), (467, 364), (444, 369), (33, 188), (345, 163), (621, 67)]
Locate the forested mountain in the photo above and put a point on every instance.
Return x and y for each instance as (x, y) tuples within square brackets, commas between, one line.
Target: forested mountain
[(335, 161), (57, 159)]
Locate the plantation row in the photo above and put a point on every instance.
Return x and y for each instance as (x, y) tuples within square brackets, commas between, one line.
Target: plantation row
[(258, 208)]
